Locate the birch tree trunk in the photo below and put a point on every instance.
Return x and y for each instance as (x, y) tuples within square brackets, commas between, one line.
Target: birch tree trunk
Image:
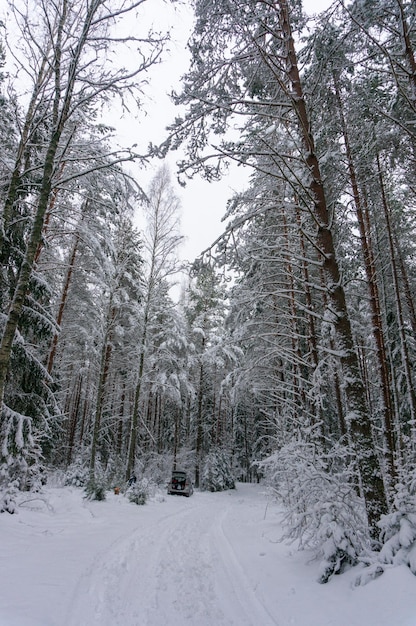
[(161, 240)]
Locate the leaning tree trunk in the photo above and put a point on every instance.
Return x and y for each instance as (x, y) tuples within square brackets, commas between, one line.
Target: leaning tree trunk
[(358, 418), (64, 298)]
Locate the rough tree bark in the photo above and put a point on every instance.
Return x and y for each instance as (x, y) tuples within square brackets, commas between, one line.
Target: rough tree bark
[(358, 418), (376, 319)]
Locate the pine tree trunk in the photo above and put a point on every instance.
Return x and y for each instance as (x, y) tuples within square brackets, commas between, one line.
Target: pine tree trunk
[(406, 285), (374, 299), (104, 369), (358, 419), (134, 424), (63, 301), (199, 426), (312, 336), (73, 418), (400, 316)]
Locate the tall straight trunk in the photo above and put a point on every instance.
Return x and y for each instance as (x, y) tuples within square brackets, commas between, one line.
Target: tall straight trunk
[(134, 423), (337, 373), (406, 284), (374, 299), (85, 410), (358, 418), (219, 427), (311, 332), (120, 423), (411, 394), (298, 390), (73, 419), (160, 405), (199, 427), (104, 370), (176, 437)]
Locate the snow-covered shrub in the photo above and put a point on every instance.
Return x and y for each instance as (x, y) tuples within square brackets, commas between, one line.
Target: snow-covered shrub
[(322, 509), (20, 459), (95, 490), (139, 492), (398, 529), (8, 502), (96, 486), (115, 473), (217, 474), (77, 474), (339, 544)]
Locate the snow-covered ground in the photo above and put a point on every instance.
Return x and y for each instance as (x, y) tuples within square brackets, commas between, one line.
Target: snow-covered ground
[(210, 560)]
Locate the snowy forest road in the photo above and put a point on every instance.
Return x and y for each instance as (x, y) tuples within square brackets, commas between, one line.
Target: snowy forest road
[(179, 568), (213, 559)]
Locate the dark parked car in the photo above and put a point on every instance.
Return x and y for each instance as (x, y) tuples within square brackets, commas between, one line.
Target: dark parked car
[(180, 484)]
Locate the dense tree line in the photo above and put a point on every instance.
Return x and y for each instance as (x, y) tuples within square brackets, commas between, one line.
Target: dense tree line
[(290, 354)]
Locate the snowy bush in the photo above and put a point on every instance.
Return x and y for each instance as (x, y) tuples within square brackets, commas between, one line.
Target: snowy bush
[(95, 490), (322, 509), (20, 459), (139, 492), (217, 474), (339, 545), (115, 474), (77, 474), (398, 529), (8, 502), (96, 486)]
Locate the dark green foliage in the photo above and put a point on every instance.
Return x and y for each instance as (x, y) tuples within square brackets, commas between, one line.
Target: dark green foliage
[(95, 489), (217, 472)]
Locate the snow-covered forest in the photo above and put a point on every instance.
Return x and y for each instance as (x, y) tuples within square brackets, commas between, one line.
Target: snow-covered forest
[(290, 355)]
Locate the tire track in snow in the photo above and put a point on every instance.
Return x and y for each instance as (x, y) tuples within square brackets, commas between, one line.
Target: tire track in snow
[(106, 594), (180, 570), (256, 613)]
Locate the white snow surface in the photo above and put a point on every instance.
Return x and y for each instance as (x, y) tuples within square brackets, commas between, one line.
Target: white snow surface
[(213, 559)]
